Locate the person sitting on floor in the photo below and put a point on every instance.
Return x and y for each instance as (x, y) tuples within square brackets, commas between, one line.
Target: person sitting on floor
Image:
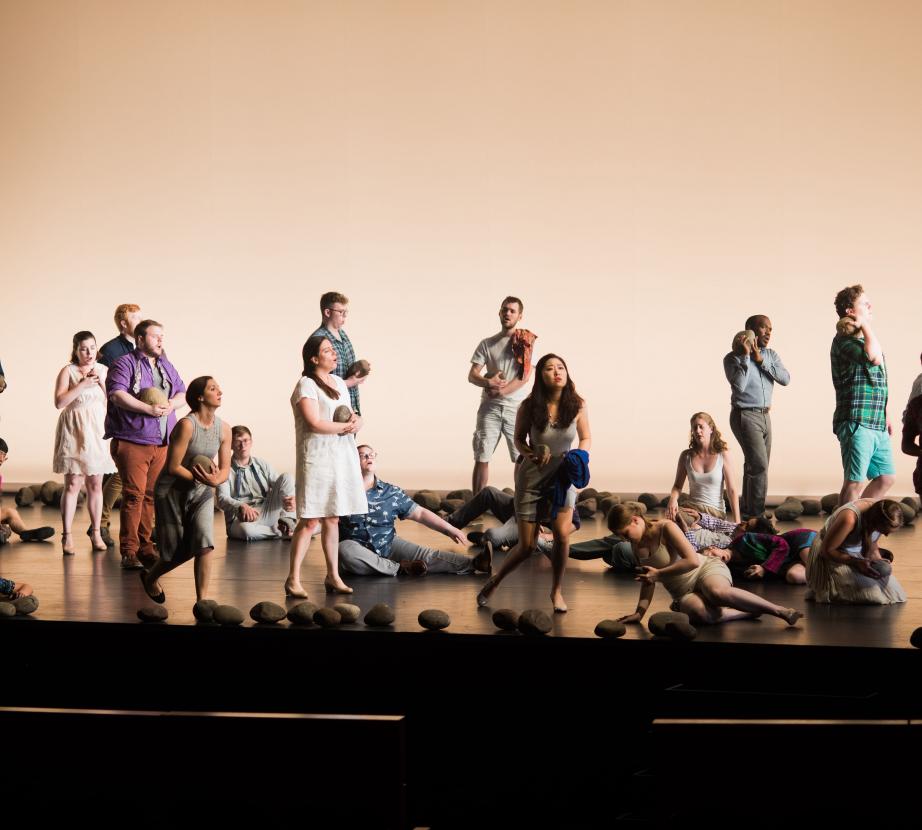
[(369, 545), (10, 520), (14, 590), (257, 502)]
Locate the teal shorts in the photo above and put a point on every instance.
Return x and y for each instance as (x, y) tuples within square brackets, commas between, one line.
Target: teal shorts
[(866, 453)]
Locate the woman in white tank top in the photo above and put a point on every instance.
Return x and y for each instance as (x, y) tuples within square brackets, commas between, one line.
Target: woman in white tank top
[(708, 466)]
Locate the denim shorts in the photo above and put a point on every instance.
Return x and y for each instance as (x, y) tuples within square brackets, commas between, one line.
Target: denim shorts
[(866, 453)]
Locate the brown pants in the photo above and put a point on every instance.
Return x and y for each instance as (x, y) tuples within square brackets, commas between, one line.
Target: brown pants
[(139, 465)]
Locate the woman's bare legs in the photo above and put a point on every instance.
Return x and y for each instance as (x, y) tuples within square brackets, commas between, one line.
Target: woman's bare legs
[(796, 575), (94, 506), (718, 592), (300, 542), (562, 528), (329, 539), (700, 613), (202, 573), (72, 484), (516, 556)]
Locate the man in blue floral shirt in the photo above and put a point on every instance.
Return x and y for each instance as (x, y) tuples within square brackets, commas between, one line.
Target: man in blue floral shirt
[(369, 544)]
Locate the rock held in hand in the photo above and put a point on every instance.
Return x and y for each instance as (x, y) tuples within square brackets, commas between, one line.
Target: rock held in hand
[(152, 613), (153, 396), (542, 453), (610, 629), (342, 414), (267, 612), (348, 613), (302, 614), (228, 615), (203, 610), (535, 622), (327, 617), (433, 619), (26, 605), (203, 461), (380, 616), (358, 369), (506, 619)]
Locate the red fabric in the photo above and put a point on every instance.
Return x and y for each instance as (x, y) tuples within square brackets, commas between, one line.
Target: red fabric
[(522, 345)]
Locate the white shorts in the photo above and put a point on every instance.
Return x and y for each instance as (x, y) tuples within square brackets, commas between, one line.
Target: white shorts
[(495, 418)]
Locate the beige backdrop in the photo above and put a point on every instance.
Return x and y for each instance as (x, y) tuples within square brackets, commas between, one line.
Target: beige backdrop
[(644, 174)]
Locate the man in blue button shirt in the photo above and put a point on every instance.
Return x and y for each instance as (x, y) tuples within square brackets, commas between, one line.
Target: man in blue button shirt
[(753, 369), (369, 544)]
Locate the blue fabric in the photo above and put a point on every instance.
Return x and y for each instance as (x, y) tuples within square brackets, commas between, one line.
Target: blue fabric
[(7, 586), (573, 472), (375, 529), (114, 349)]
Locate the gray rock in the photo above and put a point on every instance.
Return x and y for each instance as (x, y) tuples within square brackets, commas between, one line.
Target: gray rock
[(26, 605), (228, 615), (916, 638), (603, 494), (639, 505), (302, 614), (829, 502), (7, 609), (267, 612), (327, 617), (464, 495), (542, 451), (534, 621), (433, 619), (56, 496), (25, 496), (664, 502), (912, 501), (812, 507), (203, 461), (451, 505), (342, 414), (650, 501), (587, 508), (380, 615), (883, 567), (506, 619), (606, 504), (203, 610), (610, 629), (909, 513), (153, 396), (427, 499), (789, 511), (658, 621), (153, 613), (792, 500), (47, 491), (681, 630), (587, 493), (508, 491), (348, 612)]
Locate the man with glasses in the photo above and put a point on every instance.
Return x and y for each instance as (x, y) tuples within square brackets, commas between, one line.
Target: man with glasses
[(257, 502), (369, 544), (333, 313)]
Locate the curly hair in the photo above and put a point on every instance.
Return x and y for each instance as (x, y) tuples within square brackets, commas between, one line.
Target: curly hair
[(717, 442), (845, 299)]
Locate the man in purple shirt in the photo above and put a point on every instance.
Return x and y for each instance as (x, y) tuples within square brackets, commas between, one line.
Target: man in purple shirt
[(139, 433)]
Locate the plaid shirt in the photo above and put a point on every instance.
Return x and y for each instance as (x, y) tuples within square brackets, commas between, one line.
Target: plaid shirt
[(720, 535), (861, 388), (345, 357)]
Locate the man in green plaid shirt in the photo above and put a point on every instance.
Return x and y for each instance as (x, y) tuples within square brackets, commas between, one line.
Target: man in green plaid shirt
[(859, 375), (333, 311)]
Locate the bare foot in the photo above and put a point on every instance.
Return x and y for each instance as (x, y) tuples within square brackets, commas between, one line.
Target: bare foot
[(560, 607), (23, 589)]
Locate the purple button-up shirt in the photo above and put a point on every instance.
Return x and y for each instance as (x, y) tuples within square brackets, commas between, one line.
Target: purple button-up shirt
[(134, 426)]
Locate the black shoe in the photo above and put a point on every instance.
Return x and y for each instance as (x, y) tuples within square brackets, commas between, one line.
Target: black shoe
[(104, 534), (475, 537), (158, 598), (39, 534)]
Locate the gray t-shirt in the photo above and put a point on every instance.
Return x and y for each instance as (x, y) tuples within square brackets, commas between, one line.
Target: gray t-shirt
[(495, 353), (161, 381)]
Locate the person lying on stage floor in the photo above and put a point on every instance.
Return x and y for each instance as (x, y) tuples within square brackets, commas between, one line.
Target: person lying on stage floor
[(10, 520), (771, 555), (14, 590), (369, 544), (845, 564), (258, 503), (700, 586)]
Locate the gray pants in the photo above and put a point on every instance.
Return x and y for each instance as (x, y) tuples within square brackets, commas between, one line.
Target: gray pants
[(753, 431), (355, 558), (500, 505), (270, 511)]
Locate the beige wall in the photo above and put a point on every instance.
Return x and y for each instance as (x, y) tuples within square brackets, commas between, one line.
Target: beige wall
[(644, 174)]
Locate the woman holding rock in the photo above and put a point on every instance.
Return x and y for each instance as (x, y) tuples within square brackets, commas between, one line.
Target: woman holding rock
[(184, 493), (328, 481), (700, 586), (708, 467), (845, 563), (80, 452), (547, 423)]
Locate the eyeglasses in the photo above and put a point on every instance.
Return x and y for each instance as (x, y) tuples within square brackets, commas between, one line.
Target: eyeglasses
[(368, 456), (343, 311)]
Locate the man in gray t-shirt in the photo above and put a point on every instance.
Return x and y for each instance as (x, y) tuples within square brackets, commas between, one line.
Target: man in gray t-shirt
[(494, 368)]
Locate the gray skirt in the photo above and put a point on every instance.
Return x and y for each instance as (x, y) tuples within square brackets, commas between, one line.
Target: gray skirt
[(185, 518)]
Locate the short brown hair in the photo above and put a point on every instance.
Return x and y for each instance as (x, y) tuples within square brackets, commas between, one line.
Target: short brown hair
[(122, 311), (239, 430), (845, 299), (140, 330), (330, 299), (511, 299)]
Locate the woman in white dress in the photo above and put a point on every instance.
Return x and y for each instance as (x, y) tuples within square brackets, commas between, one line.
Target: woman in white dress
[(708, 466), (80, 452), (328, 481), (845, 564)]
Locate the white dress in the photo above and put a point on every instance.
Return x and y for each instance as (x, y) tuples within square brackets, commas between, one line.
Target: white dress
[(328, 481), (79, 447)]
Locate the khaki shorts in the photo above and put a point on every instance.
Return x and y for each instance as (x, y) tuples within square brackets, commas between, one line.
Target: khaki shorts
[(494, 419)]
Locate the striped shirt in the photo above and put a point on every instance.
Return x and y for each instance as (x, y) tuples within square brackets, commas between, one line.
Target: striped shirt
[(861, 387)]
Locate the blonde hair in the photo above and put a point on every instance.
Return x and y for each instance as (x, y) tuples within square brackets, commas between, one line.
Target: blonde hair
[(717, 442), (122, 312), (883, 515), (619, 517)]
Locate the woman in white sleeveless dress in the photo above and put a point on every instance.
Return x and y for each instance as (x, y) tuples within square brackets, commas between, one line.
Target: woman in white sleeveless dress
[(708, 466), (328, 480), (80, 452)]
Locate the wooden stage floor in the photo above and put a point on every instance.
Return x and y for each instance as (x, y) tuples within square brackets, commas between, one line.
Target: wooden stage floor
[(92, 587)]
